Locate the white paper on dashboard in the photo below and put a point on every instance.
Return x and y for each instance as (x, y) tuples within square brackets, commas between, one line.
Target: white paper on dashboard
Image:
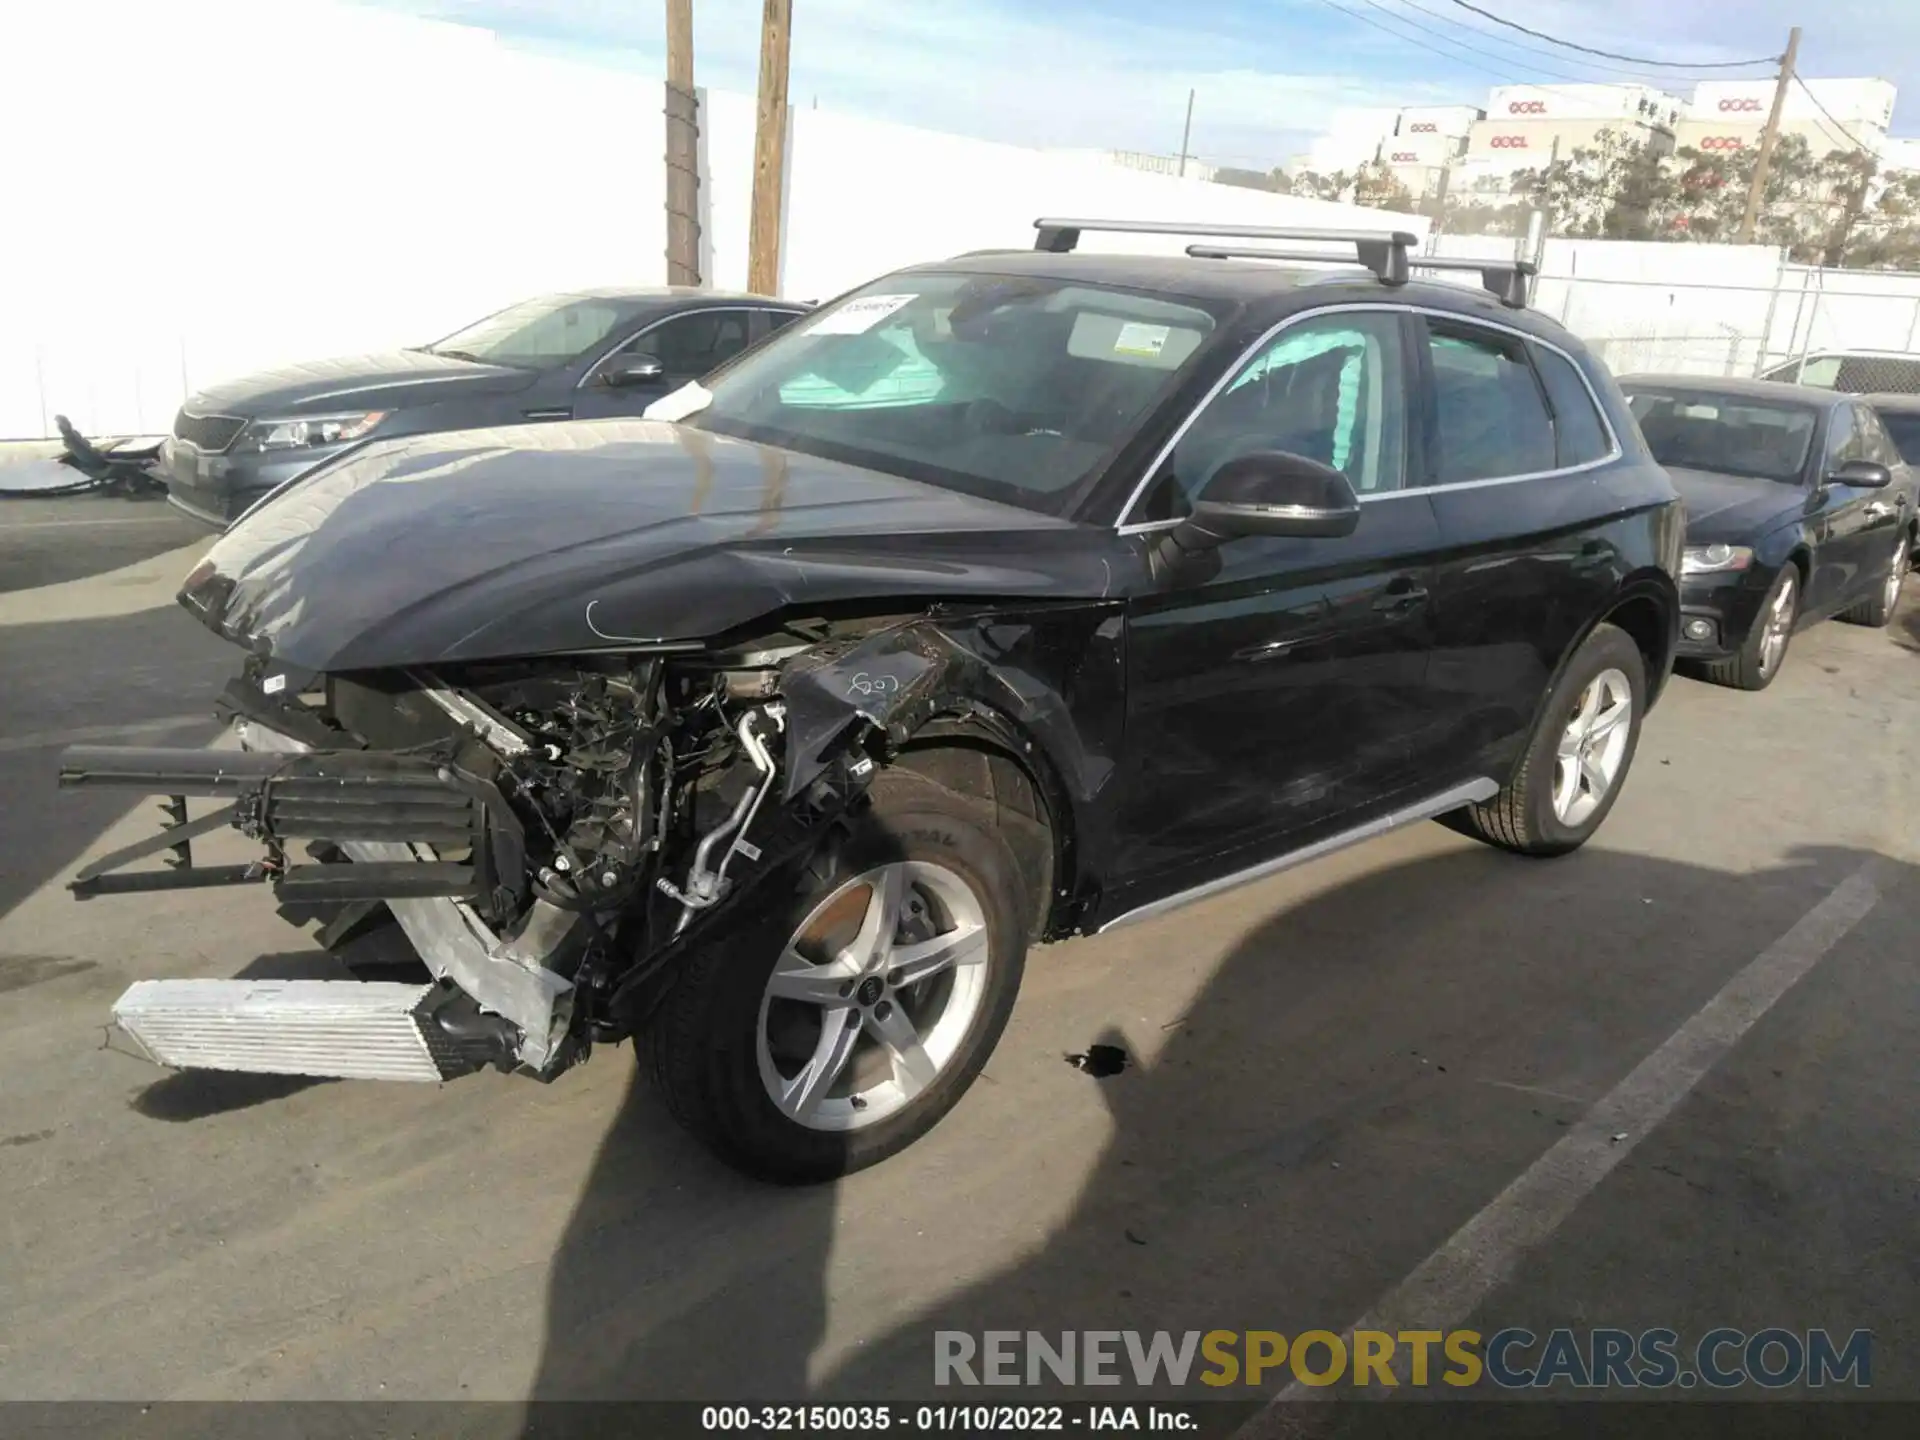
[(689, 399)]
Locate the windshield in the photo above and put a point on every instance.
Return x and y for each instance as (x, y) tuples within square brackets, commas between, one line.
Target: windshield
[(1905, 430), (537, 334), (1011, 387), (1727, 434)]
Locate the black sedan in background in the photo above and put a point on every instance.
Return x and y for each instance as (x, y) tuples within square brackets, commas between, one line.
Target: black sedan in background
[(584, 355), (1799, 507), (1901, 415)]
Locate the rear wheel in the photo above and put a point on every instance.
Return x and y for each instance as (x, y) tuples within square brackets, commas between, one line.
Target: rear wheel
[(841, 1023), (1764, 650), (1578, 757), (1877, 609)]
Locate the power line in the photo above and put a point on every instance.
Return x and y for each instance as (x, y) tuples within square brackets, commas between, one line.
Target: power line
[(1614, 55), (1520, 45), (1429, 45), (1847, 134), (1498, 59)]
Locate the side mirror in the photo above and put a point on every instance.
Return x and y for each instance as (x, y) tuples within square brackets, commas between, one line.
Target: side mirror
[(1270, 492), (634, 370), (1862, 475)]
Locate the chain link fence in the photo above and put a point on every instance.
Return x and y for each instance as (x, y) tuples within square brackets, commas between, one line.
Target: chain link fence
[(1835, 329)]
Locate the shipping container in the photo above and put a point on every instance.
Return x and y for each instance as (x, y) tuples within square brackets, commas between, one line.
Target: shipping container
[(1446, 121), (1583, 102), (1422, 149), (1420, 180), (1849, 102), (1532, 141), (1822, 135)]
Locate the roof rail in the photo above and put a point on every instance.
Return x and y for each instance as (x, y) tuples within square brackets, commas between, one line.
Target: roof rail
[(1510, 280), (1382, 251)]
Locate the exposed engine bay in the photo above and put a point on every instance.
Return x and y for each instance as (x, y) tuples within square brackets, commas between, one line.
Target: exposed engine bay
[(551, 834)]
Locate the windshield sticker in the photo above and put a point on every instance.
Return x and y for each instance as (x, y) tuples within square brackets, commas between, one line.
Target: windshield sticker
[(1136, 338), (856, 317), (689, 399)]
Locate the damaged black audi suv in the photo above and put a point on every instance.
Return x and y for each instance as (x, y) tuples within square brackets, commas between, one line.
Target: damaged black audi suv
[(1006, 599)]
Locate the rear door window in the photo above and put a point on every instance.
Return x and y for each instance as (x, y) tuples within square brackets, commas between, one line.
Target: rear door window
[(1904, 428), (1489, 414)]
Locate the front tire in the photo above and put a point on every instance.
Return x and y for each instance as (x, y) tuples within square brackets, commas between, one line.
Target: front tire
[(1578, 758), (1764, 650), (855, 1006)]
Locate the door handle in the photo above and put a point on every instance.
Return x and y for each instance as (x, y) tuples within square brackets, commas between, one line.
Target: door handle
[(1879, 510), (1400, 597)]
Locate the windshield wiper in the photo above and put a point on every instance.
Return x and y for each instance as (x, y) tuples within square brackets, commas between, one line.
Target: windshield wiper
[(457, 355)]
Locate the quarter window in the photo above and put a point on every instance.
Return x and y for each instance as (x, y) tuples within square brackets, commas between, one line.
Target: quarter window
[(1490, 418), (1331, 389), (1579, 436)]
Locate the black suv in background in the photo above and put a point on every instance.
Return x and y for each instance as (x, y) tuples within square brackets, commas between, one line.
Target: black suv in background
[(1008, 598), (558, 357)]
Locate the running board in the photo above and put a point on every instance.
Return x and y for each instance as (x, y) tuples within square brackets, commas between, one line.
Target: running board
[(341, 1029), (1471, 793)]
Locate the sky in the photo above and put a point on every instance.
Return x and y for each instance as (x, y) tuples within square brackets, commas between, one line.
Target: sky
[(1266, 73)]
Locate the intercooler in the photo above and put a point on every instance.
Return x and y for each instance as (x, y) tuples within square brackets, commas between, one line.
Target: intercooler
[(347, 1029)]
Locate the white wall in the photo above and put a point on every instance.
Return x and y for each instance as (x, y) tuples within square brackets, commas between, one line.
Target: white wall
[(206, 187)]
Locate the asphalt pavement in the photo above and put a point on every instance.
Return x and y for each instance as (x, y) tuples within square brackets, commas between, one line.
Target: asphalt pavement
[(1665, 1082)]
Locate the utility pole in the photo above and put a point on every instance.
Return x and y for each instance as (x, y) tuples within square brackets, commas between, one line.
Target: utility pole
[(769, 150), (1768, 138), (683, 149), (1186, 134)]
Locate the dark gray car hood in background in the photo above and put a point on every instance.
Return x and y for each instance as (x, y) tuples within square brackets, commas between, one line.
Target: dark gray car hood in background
[(358, 382), (550, 539), (1732, 509)]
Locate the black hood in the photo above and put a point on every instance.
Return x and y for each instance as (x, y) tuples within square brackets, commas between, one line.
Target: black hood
[(552, 539), (1734, 509), (358, 382)]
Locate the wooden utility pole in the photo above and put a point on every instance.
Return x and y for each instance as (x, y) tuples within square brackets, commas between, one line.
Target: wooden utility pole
[(769, 150), (683, 149), (1768, 138), (1186, 134)]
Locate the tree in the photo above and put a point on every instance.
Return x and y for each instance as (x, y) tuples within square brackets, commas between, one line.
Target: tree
[(1615, 189), (1315, 186), (1376, 185), (1251, 179), (1887, 236)]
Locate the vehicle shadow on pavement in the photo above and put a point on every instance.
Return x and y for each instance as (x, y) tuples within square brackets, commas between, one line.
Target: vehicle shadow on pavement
[(149, 678), (1363, 1072)]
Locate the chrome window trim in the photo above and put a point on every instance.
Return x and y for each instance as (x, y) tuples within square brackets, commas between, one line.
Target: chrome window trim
[(652, 325), (1614, 451)]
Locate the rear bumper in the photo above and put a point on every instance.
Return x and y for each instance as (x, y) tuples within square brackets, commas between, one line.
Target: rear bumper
[(440, 848)]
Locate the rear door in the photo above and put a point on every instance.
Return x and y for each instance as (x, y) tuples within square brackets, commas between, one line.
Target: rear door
[(1512, 439)]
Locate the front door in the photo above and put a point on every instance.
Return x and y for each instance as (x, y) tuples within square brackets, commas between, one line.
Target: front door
[(687, 347), (1857, 524), (1283, 693)]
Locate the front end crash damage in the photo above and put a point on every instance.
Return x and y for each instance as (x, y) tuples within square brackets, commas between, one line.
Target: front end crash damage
[(554, 837)]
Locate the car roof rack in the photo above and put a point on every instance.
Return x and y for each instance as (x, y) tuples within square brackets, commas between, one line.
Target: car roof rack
[(1385, 252), (1509, 280)]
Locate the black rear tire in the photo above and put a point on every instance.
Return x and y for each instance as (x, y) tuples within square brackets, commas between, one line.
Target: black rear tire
[(703, 1045), (1522, 817), (1747, 668)]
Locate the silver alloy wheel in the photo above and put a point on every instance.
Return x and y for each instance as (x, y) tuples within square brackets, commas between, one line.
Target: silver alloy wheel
[(1779, 623), (873, 995), (1897, 571), (1593, 747)]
